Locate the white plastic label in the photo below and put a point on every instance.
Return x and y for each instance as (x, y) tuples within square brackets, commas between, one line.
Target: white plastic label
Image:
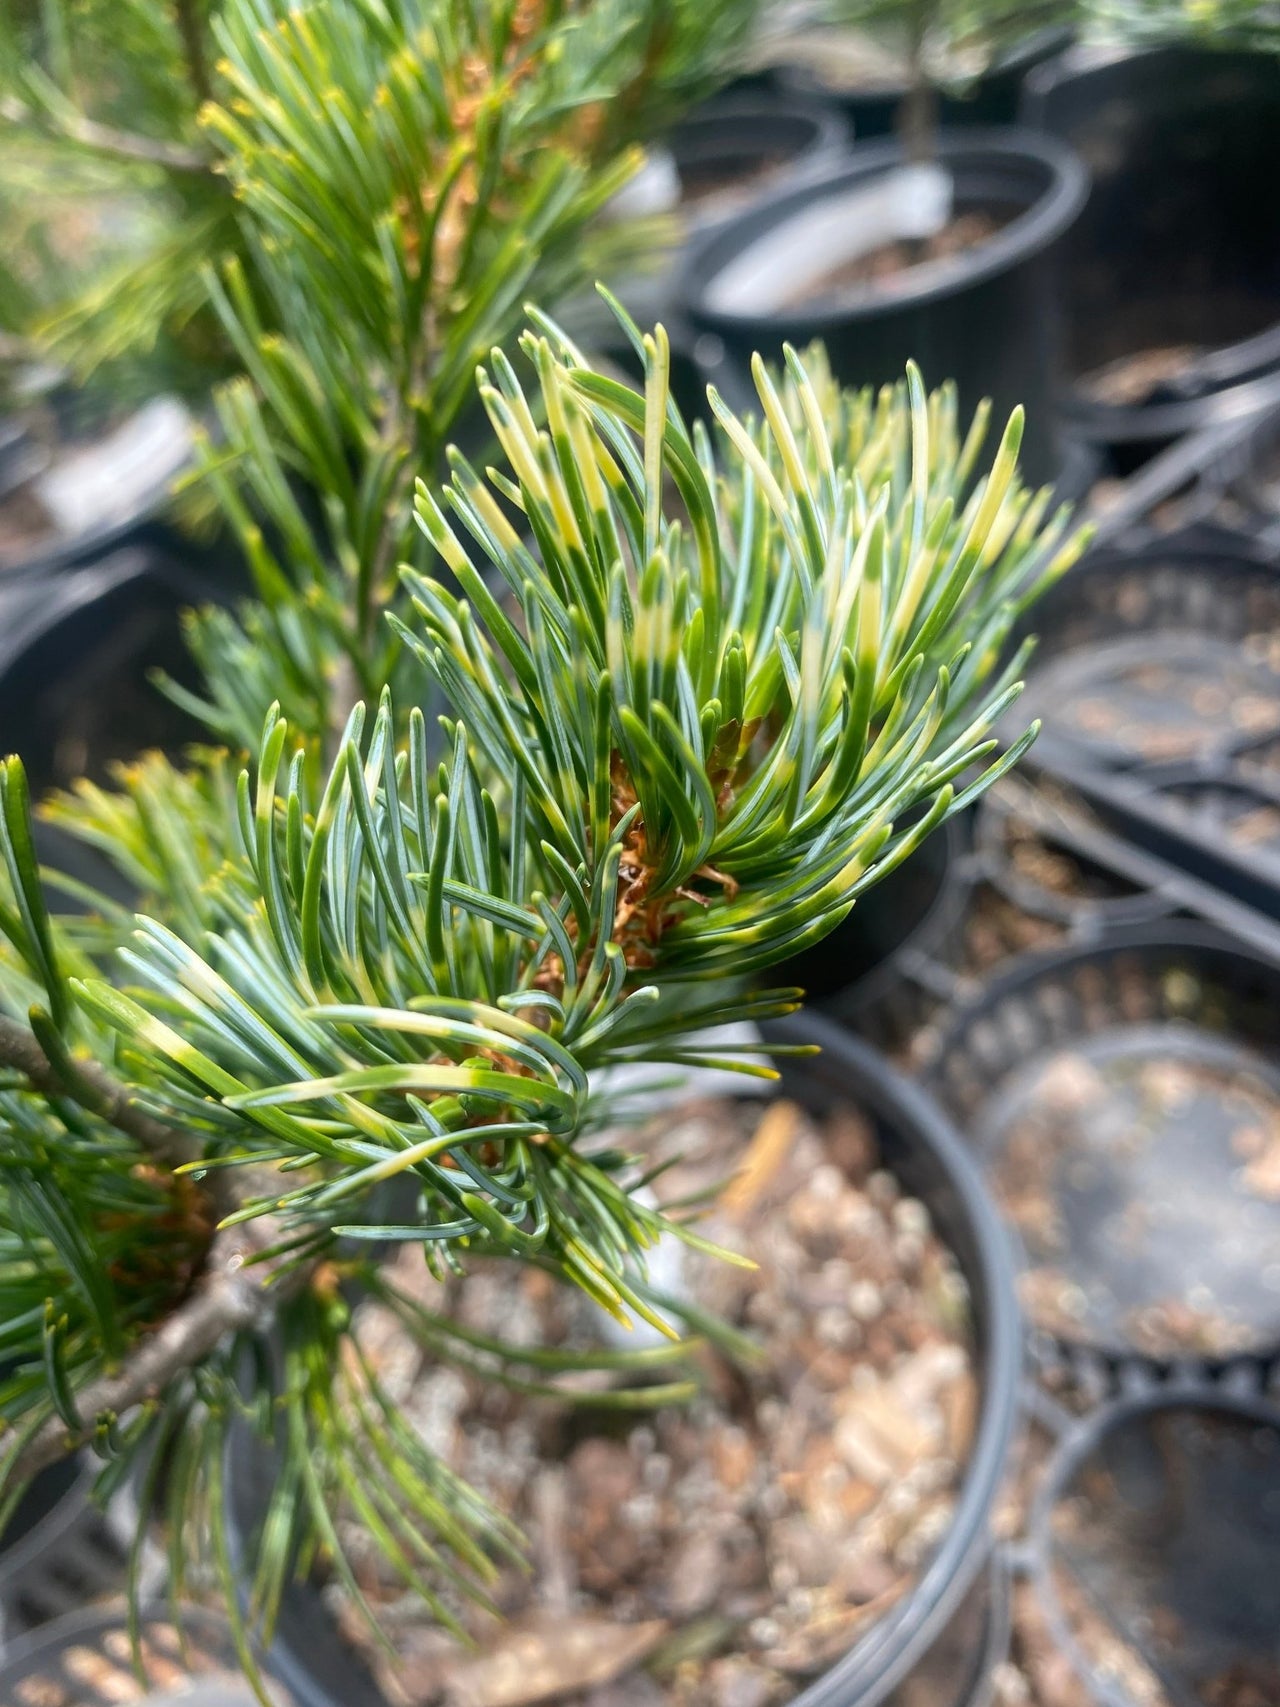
[(655, 188), (908, 202), (110, 480)]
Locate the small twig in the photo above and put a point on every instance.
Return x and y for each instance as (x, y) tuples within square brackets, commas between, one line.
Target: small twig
[(227, 1298), (106, 139), (229, 1294), (105, 1097)]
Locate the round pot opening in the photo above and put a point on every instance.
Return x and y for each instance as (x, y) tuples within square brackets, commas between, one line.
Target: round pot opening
[(1155, 1543), (1049, 879), (1124, 1099), (777, 265), (953, 1598), (1157, 657), (735, 149), (1226, 807), (979, 316)]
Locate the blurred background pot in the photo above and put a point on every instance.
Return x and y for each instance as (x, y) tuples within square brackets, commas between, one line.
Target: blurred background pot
[(982, 314), (1171, 276)]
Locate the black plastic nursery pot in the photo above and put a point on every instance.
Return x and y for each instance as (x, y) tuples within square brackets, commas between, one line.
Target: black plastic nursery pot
[(59, 1550), (46, 1553), (1171, 277), (1123, 1098), (873, 105), (743, 145), (982, 317), (875, 971), (1046, 876), (1220, 822), (943, 1639), (1154, 1544), (75, 693), (85, 1660), (1166, 654)]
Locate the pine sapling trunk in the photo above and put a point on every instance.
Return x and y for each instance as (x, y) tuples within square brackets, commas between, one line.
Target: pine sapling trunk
[(918, 112), (918, 118)]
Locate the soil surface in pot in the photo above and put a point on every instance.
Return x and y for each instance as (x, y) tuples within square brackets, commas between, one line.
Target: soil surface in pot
[(1057, 871), (1039, 1671), (721, 1553), (1175, 697), (1142, 1171), (97, 1665), (724, 185), (880, 268), (1251, 822), (1134, 370), (996, 929), (1134, 379)]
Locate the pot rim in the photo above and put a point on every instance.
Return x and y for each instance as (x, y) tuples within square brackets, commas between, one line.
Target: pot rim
[(991, 815), (51, 1528), (875, 1666), (827, 129), (1062, 196), (926, 938), (1024, 55)]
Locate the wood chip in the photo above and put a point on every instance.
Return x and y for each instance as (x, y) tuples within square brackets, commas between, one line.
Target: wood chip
[(764, 1157), (549, 1658)]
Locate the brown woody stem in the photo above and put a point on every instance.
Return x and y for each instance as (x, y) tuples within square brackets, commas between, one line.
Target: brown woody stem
[(228, 1296)]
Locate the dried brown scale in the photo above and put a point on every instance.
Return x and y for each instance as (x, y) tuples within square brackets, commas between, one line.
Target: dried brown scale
[(752, 1535), (638, 920), (171, 1249)]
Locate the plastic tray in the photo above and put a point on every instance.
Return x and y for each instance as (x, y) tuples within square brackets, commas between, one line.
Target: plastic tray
[(1169, 653), (85, 1660)]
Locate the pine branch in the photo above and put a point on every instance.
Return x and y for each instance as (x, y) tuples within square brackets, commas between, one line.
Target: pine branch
[(94, 1089), (105, 139), (229, 1297), (234, 1292)]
